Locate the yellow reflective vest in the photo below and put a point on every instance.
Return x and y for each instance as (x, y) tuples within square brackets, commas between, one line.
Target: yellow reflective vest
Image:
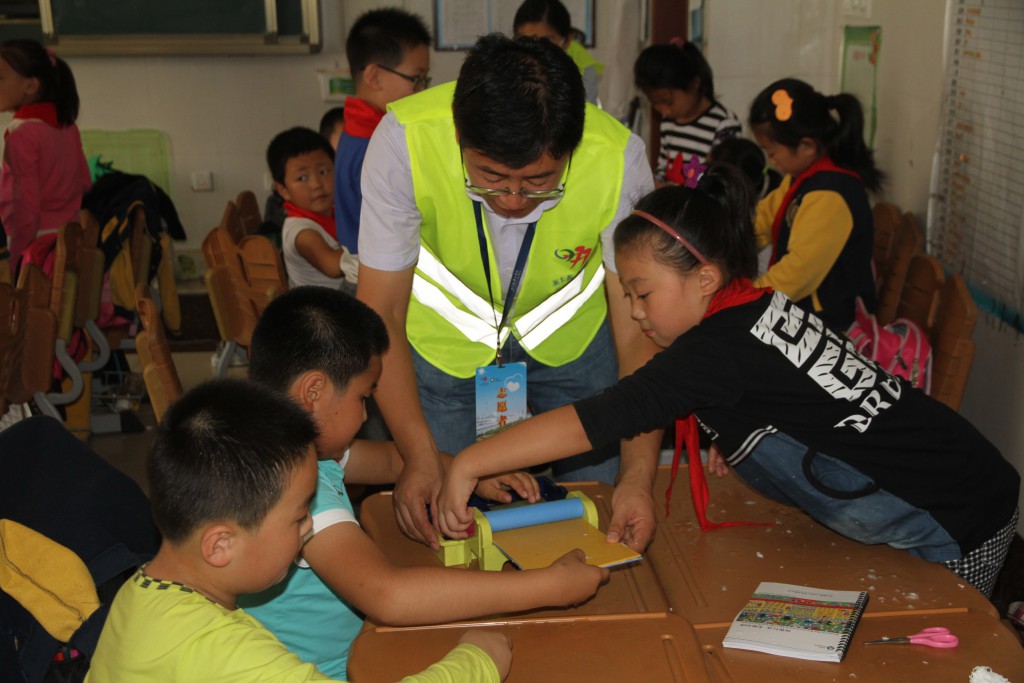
[(452, 322)]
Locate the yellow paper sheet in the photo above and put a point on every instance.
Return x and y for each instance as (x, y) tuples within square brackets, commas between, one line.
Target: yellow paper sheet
[(535, 547)]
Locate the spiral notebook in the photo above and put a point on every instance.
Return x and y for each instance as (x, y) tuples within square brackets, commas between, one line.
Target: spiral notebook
[(798, 621)]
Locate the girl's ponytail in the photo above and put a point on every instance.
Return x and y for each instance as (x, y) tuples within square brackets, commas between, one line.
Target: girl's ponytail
[(847, 148), (738, 252), (65, 93)]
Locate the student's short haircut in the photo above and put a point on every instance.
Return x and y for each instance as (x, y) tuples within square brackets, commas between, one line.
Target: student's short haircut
[(516, 99), (291, 143), (331, 117), (315, 329), (383, 36), (224, 452)]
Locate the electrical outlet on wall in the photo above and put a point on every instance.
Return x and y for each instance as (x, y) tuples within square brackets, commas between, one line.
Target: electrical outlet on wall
[(857, 8), (202, 181)]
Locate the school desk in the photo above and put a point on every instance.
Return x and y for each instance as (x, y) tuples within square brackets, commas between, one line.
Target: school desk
[(633, 588), (708, 576), (984, 641), (637, 647)]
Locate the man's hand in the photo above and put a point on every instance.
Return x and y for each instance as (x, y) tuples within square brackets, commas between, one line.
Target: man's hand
[(416, 488), (498, 487), (633, 516)]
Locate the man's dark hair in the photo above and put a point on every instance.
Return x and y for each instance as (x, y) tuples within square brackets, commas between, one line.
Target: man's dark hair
[(331, 116), (225, 451), (516, 99), (383, 36), (291, 143), (315, 328)]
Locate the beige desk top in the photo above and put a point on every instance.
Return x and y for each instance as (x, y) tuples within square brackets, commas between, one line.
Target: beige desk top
[(709, 576), (631, 589)]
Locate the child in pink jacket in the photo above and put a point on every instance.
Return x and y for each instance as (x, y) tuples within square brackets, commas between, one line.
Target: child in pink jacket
[(44, 173)]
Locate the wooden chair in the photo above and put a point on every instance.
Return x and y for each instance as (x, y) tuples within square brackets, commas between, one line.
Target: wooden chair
[(952, 346), (158, 371), (919, 298), (28, 334), (249, 212), (909, 241), (242, 278), (231, 221), (887, 219)]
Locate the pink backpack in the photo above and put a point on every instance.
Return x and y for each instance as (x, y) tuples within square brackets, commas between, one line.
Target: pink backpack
[(901, 348)]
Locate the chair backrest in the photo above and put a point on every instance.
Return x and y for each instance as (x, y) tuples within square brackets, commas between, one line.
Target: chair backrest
[(67, 263), (919, 298), (158, 371), (909, 241), (249, 212), (28, 336), (887, 219), (952, 344), (231, 221), (235, 313), (246, 277), (90, 272)]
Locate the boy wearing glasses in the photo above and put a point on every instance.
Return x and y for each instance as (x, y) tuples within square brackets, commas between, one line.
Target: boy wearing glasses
[(485, 241), (388, 54)]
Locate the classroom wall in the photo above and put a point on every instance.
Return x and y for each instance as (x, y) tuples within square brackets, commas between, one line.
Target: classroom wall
[(219, 112)]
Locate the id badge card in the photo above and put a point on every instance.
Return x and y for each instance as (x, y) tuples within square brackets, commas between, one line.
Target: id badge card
[(500, 397)]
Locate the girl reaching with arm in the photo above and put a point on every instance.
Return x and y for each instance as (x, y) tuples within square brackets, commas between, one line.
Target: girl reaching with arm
[(786, 399)]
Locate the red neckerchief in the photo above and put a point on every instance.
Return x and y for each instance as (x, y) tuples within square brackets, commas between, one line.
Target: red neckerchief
[(325, 222), (42, 111), (361, 117), (736, 293), (822, 164)]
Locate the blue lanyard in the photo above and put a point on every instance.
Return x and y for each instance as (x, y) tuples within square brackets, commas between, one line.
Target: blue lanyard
[(517, 272)]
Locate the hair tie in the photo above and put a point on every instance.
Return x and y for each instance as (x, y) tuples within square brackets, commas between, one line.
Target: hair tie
[(677, 41), (783, 102), (693, 171), (674, 233), (52, 55)]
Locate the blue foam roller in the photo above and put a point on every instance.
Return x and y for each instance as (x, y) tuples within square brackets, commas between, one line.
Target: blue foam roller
[(538, 513)]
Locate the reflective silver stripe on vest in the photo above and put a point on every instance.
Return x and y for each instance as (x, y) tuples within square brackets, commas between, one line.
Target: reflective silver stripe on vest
[(535, 326), (566, 310)]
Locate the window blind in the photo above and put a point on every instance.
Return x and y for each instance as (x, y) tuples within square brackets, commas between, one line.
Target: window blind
[(976, 218)]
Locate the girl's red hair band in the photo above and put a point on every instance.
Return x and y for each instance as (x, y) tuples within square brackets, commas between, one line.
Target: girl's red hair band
[(674, 233)]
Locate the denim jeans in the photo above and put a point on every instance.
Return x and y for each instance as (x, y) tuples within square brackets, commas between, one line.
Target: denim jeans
[(776, 469), (449, 403)]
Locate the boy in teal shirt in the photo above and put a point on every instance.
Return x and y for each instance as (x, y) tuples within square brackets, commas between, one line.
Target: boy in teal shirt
[(323, 348)]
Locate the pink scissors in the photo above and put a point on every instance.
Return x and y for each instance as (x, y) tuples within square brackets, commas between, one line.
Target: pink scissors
[(937, 636)]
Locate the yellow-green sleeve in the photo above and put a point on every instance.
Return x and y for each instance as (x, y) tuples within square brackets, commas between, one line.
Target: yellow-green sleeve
[(765, 214), (821, 227), (464, 663)]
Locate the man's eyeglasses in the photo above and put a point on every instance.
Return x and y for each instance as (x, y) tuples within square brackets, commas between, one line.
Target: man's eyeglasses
[(556, 191), (418, 82)]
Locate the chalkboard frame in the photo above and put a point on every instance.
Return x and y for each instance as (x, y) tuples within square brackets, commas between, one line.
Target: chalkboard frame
[(306, 40)]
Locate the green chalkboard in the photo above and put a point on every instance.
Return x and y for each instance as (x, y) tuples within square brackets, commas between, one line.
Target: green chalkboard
[(173, 27), (77, 18)]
